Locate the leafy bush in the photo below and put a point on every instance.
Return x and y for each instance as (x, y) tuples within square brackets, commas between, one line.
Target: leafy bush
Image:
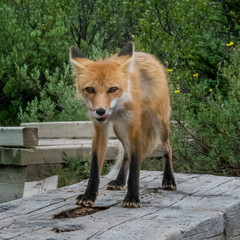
[(206, 133), (56, 101), (34, 42)]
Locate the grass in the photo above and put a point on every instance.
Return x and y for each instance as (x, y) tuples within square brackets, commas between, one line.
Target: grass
[(152, 164), (77, 169)]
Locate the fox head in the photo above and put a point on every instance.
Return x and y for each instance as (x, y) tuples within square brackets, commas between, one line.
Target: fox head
[(104, 84)]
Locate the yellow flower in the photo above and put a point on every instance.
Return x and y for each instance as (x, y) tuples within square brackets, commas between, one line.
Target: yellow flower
[(177, 91), (229, 44), (210, 90), (59, 16), (44, 28), (170, 70), (195, 75)]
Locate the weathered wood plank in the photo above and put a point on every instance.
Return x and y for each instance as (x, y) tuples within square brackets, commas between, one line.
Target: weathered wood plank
[(18, 136), (52, 154), (66, 141), (203, 207), (12, 181), (76, 129), (83, 129), (57, 153), (42, 186)]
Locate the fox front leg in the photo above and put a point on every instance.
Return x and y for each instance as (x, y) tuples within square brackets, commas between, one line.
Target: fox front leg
[(90, 195), (99, 146)]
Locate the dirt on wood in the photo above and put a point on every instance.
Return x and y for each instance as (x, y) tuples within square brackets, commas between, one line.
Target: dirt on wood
[(79, 212)]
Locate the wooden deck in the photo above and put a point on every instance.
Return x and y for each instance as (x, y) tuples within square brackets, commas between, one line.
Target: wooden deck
[(203, 207)]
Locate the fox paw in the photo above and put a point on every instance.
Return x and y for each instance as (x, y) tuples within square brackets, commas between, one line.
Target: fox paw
[(131, 202), (115, 185), (169, 184), (86, 200)]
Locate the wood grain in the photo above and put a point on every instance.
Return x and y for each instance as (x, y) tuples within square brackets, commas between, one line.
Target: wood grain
[(52, 154), (83, 129), (203, 207), (37, 187), (47, 153)]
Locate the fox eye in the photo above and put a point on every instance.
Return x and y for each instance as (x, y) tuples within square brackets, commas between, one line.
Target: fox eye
[(90, 90), (112, 89)]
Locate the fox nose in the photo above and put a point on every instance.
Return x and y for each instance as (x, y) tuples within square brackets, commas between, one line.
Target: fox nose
[(100, 111)]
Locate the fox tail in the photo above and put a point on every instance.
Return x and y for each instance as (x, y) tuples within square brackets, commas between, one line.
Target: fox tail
[(117, 164)]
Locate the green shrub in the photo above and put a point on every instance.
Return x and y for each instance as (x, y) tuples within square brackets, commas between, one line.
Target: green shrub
[(56, 101), (205, 135), (34, 42)]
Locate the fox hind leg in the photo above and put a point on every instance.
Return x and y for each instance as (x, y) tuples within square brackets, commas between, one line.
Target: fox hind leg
[(168, 182)]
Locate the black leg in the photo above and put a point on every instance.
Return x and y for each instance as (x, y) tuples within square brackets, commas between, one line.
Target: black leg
[(120, 181), (90, 195), (132, 198), (168, 182)]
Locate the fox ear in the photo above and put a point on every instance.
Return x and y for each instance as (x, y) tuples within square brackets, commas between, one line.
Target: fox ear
[(77, 59), (127, 56), (127, 50)]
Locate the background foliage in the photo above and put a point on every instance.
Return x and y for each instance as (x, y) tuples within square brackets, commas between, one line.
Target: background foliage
[(196, 40)]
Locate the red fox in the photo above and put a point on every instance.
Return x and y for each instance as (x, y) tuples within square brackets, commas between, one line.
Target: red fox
[(130, 90)]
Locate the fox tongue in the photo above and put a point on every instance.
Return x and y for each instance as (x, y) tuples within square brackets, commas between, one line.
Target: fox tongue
[(105, 116)]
